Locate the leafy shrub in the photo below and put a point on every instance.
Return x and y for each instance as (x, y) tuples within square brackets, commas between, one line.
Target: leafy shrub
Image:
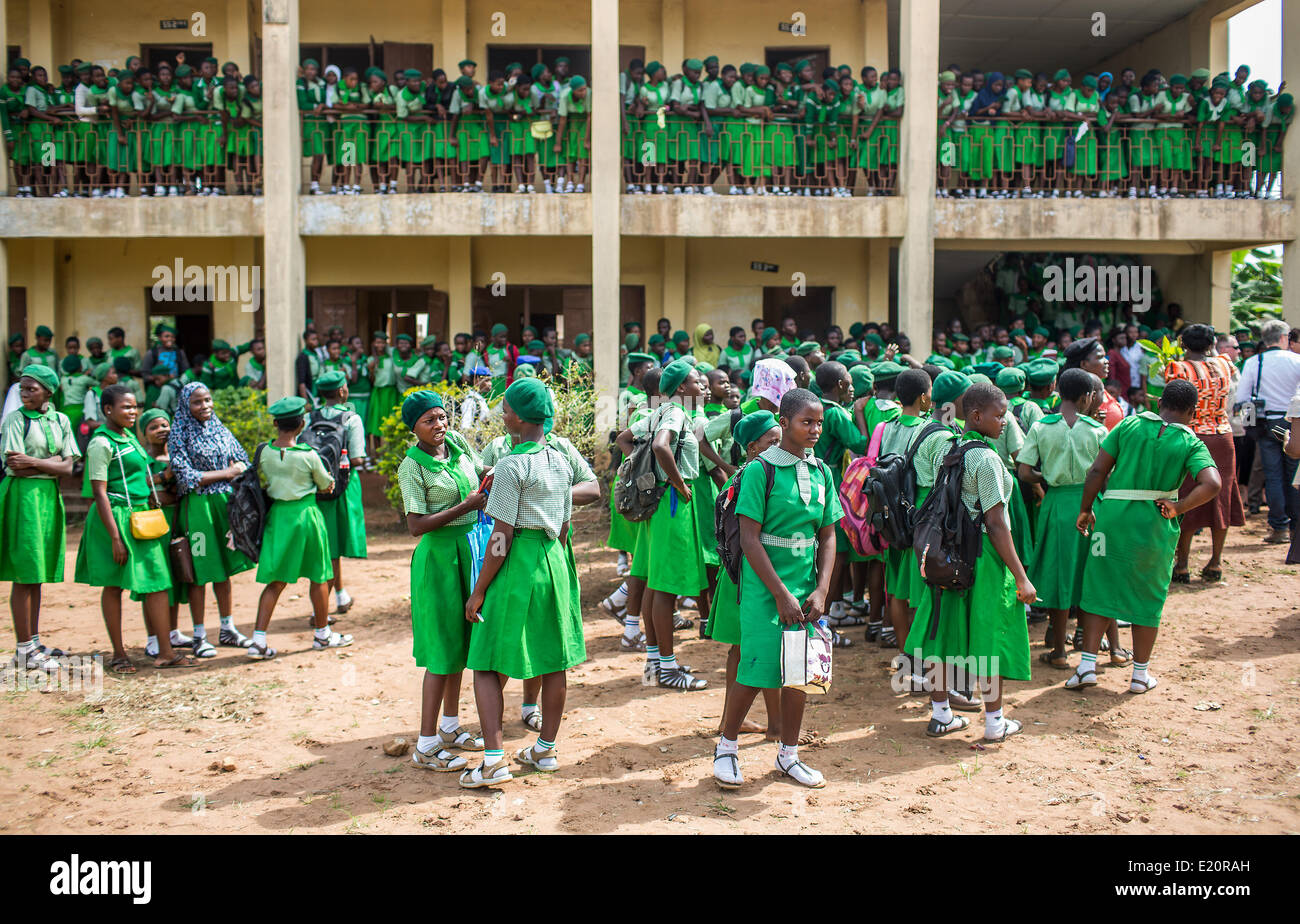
[(243, 411)]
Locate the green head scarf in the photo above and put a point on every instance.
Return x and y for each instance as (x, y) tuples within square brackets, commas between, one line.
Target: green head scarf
[(44, 331), (417, 404), (498, 329), (44, 375), (581, 339), (149, 417), (1010, 380), (531, 400), (752, 426)]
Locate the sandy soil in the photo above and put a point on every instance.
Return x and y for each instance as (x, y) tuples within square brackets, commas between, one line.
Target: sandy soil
[(296, 744)]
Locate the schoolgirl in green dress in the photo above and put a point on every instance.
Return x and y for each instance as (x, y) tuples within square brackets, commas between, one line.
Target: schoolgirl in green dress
[(469, 136), (1132, 530), (345, 517), (497, 103), (757, 432), (788, 541), (1272, 130), (1058, 451), (949, 149), (441, 494), (205, 457), (870, 103), (652, 105), (543, 116), (1060, 105), (45, 134), (123, 150), (1144, 144), (311, 103), (294, 541), (110, 554), (574, 133), (1087, 108), (248, 143), (782, 140), (1174, 108), (525, 609), (189, 124), (161, 153), (520, 163), (384, 134), (39, 448), (13, 113), (351, 136), (416, 135), (752, 151), (982, 630), (384, 395), (688, 121)]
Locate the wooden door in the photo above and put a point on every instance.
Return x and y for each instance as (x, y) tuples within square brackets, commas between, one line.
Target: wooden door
[(17, 320), (627, 52), (438, 314), (631, 308), (402, 55), (577, 312), (333, 306)]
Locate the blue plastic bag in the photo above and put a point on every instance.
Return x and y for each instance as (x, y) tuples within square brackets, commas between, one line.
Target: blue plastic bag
[(478, 537)]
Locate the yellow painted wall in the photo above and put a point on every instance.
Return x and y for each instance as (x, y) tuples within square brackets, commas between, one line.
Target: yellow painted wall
[(346, 22), (1180, 47), (555, 22)]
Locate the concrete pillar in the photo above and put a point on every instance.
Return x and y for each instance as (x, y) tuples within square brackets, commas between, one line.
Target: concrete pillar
[(606, 189), (285, 282), (234, 44), (875, 35), (674, 285), (43, 293), (878, 260), (4, 277), (455, 42), (230, 320), (919, 54), (673, 45), (1291, 166), (460, 284), (40, 37), (1220, 266), (4, 153), (1216, 47)]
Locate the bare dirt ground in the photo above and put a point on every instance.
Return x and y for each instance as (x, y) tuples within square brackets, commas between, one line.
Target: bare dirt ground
[(296, 744)]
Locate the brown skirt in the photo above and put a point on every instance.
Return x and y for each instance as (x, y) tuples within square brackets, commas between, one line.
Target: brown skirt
[(1225, 510)]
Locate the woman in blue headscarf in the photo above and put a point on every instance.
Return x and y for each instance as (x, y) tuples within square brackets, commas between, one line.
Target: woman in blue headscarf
[(205, 458), (987, 136), (1104, 80)]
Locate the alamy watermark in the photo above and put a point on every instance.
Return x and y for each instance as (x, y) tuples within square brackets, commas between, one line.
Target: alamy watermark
[(1086, 283), (195, 282)]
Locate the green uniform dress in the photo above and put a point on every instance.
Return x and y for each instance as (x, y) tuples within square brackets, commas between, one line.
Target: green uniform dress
[(841, 436), (384, 396), (532, 616), (868, 103), (415, 136), (674, 546), (803, 500), (575, 128), (1143, 143), (1111, 162), (120, 461), (1268, 138), (724, 612), (622, 534), (311, 93), (1028, 136), (350, 140), (441, 562), (1007, 445), (1131, 549), (1085, 149), (704, 493), (471, 131), (176, 593), (205, 521), (653, 139), (986, 623), (33, 526), (1175, 142), (345, 517), (726, 128), (925, 464), (683, 131), (44, 136), (1056, 134), (1210, 118), (294, 544), (359, 389), (1063, 453)]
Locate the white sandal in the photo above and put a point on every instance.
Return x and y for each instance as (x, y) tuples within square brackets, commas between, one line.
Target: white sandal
[(1077, 680), (545, 762), (475, 779), (534, 720), (801, 773), (726, 770), (1009, 727), (1142, 686), (460, 739)]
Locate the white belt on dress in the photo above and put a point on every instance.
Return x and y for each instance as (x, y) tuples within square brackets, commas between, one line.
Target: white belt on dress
[(1134, 494), (781, 542)]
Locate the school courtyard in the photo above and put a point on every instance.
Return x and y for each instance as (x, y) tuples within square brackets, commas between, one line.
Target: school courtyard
[(298, 744)]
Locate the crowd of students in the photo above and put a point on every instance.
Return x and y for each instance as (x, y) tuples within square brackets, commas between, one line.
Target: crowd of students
[(169, 130), (1076, 501)]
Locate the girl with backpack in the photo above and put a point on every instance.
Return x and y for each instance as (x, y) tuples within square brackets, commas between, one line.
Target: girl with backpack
[(982, 629), (205, 458), (345, 517), (294, 542), (1133, 534), (788, 539), (757, 432)]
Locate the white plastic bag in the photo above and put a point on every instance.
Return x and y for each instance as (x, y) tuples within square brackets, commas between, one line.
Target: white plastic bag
[(806, 657)]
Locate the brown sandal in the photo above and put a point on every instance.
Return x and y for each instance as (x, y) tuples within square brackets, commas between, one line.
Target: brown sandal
[(121, 666), (1060, 663), (178, 660)]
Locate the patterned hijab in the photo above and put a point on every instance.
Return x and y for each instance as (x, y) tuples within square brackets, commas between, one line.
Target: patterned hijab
[(197, 447)]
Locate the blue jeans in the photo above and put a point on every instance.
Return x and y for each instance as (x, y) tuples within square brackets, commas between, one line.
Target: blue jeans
[(1279, 471)]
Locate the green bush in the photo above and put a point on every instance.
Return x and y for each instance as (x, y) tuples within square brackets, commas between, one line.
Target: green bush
[(243, 411)]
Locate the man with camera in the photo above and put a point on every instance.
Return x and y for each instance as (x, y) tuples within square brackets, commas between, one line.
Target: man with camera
[(1269, 380)]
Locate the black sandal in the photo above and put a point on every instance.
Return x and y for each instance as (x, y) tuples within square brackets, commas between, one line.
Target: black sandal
[(1180, 577), (1211, 575)]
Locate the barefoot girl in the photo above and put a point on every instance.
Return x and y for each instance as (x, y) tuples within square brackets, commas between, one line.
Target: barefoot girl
[(111, 555), (442, 495), (38, 448), (788, 540)]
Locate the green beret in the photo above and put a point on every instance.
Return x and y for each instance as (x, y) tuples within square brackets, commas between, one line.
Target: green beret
[(530, 329), (888, 370), (672, 377), (21, 62), (581, 338), (959, 336), (761, 70), (747, 68), (948, 387), (1043, 331), (981, 378), (407, 337), (525, 370), (863, 380), (1254, 84), (1040, 373), (15, 337), (802, 63), (938, 359), (331, 381), (103, 369), (694, 64), (466, 62), (158, 331), (538, 69), (288, 408), (680, 336), (1090, 81), (412, 73), (1284, 100), (65, 68), (498, 329), (184, 70), (946, 76), (689, 359), (1062, 74), (1004, 352), (562, 59), (633, 358), (221, 345), (465, 82), (121, 364), (711, 59), (784, 66), (848, 357), (988, 368), (379, 335), (651, 68), (768, 332), (312, 62), (656, 339), (808, 346), (535, 345), (1201, 73), (429, 341), (531, 400), (417, 404), (512, 65), (149, 416), (1010, 380), (1024, 74), (92, 341), (752, 426), (1177, 78), (629, 325), (70, 363), (1220, 83), (44, 331), (875, 338), (209, 60)]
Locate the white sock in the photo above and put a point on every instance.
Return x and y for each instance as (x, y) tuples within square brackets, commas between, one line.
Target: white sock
[(728, 745), (200, 631), (631, 626), (619, 597), (429, 744), (36, 640), (668, 662), (526, 710), (1087, 664), (993, 722), (323, 632), (228, 622), (150, 644), (652, 653), (448, 723), (1140, 672), (492, 757), (788, 753), (176, 636), (940, 711), (259, 638)]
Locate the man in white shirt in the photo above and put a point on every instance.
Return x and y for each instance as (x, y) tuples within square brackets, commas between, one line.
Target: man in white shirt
[(1273, 377)]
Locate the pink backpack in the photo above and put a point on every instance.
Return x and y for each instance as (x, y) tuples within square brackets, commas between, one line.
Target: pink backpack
[(853, 498)]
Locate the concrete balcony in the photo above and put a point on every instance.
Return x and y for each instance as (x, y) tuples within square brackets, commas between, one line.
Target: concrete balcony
[(450, 214), (133, 217), (1125, 225), (761, 216)]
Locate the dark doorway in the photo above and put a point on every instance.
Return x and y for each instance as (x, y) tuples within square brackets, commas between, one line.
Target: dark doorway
[(565, 308), (811, 311), (16, 323), (416, 310), (192, 320), (500, 55), (820, 57), (194, 52), (627, 52)]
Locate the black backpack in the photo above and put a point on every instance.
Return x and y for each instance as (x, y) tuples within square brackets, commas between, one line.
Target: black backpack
[(947, 541), (246, 510), (726, 523), (329, 437), (891, 492), (637, 488)]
